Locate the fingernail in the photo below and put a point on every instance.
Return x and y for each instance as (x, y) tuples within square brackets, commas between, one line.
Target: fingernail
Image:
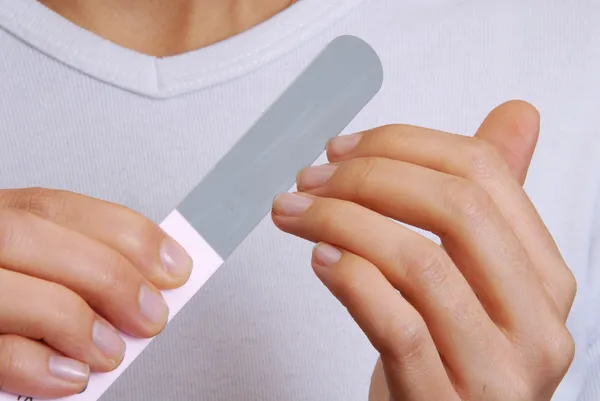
[(344, 144), (291, 204), (153, 305), (175, 259), (68, 369), (108, 342), (326, 255), (314, 177)]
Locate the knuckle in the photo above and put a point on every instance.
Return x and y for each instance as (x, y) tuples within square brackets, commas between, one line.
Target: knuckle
[(364, 173), (467, 201), (404, 339), (361, 170), (426, 267), (558, 352), (483, 159), (112, 274), (47, 203)]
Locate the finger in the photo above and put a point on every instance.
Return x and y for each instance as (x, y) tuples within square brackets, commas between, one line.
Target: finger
[(32, 369), (513, 129), (41, 310), (97, 273), (414, 265), (475, 235), (156, 255), (392, 325), (378, 390), (475, 160)]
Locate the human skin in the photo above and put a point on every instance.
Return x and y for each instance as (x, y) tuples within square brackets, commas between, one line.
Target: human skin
[(97, 266), (507, 302), (166, 28), (482, 317)]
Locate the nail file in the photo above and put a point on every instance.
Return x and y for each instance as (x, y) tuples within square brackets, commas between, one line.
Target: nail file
[(217, 215)]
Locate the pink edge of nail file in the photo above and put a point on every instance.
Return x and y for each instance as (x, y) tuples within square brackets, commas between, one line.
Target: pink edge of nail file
[(237, 193)]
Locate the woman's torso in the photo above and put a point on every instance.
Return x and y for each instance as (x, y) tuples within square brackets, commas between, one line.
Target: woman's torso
[(79, 113)]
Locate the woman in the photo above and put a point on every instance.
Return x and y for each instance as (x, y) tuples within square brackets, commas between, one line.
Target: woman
[(133, 101)]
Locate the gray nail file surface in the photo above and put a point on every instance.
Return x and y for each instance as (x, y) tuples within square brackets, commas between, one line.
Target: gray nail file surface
[(238, 192)]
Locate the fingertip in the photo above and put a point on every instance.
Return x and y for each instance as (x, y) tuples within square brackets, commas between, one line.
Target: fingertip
[(292, 204), (520, 106), (522, 118), (170, 267), (110, 344), (68, 369), (165, 281), (154, 310), (325, 255), (31, 368), (513, 129), (277, 221), (176, 262), (341, 146), (525, 116)]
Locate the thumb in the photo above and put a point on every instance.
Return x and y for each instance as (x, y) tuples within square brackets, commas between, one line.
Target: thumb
[(513, 129)]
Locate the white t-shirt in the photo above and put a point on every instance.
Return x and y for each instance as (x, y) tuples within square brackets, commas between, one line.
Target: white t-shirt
[(80, 113)]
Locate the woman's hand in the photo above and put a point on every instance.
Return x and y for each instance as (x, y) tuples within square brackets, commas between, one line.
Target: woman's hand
[(72, 269), (481, 318)]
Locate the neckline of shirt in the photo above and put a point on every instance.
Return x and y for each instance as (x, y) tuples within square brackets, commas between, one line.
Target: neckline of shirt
[(59, 38)]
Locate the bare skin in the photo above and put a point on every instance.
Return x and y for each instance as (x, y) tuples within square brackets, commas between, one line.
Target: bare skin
[(484, 317), (472, 320), (165, 28)]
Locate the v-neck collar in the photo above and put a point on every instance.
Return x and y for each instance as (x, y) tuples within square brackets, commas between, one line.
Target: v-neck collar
[(166, 77)]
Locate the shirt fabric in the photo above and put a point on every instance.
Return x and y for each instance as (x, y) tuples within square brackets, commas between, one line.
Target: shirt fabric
[(80, 113)]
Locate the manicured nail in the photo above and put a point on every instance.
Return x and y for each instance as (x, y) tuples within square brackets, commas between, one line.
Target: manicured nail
[(153, 305), (68, 369), (108, 342), (175, 259), (291, 204), (326, 255), (344, 144), (314, 177)]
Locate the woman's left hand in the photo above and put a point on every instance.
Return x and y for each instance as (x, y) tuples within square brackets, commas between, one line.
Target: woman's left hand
[(481, 318)]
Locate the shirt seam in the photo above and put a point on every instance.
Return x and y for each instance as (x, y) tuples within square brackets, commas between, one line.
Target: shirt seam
[(152, 69)]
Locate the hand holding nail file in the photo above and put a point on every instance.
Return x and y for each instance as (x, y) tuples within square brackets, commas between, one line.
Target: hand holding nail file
[(237, 193)]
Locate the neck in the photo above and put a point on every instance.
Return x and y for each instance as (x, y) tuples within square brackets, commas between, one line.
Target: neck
[(166, 27)]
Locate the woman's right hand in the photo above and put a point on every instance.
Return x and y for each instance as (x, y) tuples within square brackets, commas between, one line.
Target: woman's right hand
[(72, 269)]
